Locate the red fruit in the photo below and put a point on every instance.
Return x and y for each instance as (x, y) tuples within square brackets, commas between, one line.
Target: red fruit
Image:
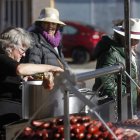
[(39, 133), (105, 134), (79, 119), (94, 122), (72, 116), (101, 138), (79, 129), (119, 131), (78, 124), (47, 125), (72, 127), (80, 135), (28, 131), (60, 121), (98, 124), (54, 129), (76, 130), (37, 123), (103, 128), (73, 120), (72, 135), (109, 124), (60, 129), (54, 121), (120, 136), (97, 134), (113, 128), (57, 135), (45, 133), (88, 136), (86, 124), (93, 129), (110, 137), (82, 128)]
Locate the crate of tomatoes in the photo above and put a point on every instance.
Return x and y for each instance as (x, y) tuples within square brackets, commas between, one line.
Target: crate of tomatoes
[(82, 127)]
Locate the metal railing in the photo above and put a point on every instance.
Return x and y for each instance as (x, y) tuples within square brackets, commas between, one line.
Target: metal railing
[(117, 68)]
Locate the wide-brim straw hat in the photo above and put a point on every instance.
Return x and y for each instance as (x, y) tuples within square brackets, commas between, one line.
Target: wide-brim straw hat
[(50, 15), (134, 28)]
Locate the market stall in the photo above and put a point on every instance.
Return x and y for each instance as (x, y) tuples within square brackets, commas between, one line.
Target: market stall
[(88, 117)]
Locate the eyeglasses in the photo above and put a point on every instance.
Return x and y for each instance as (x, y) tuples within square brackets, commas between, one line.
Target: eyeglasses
[(21, 50)]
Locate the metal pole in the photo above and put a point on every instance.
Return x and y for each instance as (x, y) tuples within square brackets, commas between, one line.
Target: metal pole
[(128, 56), (100, 72), (66, 116), (119, 97)]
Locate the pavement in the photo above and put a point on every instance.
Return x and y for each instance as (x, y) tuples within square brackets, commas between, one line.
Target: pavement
[(80, 68)]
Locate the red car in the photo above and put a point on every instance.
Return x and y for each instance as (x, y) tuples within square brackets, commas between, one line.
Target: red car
[(79, 41)]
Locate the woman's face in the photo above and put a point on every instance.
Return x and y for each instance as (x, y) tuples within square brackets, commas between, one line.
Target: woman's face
[(134, 42), (49, 27), (18, 53)]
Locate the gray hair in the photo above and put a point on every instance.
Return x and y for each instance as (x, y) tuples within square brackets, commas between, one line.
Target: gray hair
[(13, 37), (5, 46)]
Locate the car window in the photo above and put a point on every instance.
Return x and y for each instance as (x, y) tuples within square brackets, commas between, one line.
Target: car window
[(69, 30)]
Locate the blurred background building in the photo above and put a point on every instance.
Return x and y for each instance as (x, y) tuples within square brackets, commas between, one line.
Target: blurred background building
[(20, 12), (97, 12)]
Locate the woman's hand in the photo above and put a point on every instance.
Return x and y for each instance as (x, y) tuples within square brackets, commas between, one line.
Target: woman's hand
[(28, 78), (48, 80)]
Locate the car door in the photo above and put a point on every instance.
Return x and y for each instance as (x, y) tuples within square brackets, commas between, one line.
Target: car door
[(69, 39)]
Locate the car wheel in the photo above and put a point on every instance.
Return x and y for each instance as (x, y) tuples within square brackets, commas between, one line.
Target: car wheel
[(80, 56)]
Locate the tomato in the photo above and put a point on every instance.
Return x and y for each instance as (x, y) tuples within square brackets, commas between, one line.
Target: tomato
[(47, 125), (93, 129), (57, 135), (37, 123), (72, 135), (119, 131), (60, 121), (60, 129), (88, 136), (28, 132), (97, 134), (80, 135), (105, 134), (73, 120)]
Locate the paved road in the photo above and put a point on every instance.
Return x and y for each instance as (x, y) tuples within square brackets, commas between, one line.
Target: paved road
[(80, 68)]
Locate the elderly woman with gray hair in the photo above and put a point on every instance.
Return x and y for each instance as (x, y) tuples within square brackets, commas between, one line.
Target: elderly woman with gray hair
[(13, 44)]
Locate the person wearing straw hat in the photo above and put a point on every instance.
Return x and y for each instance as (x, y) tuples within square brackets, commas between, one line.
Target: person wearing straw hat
[(48, 50), (110, 50), (45, 31), (47, 36)]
